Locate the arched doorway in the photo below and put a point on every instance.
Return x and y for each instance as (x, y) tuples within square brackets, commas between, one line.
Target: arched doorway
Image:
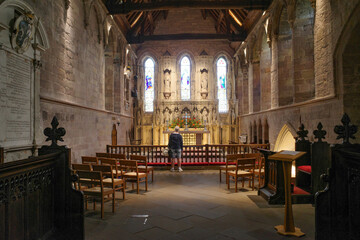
[(285, 139)]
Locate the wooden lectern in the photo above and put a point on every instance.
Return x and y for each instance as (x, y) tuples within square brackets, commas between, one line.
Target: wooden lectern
[(286, 157)]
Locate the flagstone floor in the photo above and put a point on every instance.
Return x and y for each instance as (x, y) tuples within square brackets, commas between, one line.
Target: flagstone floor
[(193, 205)]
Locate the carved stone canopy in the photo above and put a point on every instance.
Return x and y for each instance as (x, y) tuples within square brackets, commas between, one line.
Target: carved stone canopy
[(167, 71)]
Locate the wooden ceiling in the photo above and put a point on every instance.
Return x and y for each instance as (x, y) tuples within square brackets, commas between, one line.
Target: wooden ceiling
[(233, 19)]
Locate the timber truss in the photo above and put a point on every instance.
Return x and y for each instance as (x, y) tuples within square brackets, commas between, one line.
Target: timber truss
[(233, 19)]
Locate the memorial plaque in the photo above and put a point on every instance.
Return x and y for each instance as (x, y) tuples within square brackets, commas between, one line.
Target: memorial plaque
[(15, 97)]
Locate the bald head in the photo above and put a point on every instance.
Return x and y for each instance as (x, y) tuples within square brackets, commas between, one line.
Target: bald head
[(177, 128)]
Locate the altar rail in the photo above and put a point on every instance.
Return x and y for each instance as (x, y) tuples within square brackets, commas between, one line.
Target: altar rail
[(37, 201), (207, 154)]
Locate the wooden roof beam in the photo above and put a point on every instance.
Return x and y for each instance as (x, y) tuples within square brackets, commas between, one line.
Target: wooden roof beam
[(114, 7), (204, 13), (185, 36), (219, 20), (151, 23)]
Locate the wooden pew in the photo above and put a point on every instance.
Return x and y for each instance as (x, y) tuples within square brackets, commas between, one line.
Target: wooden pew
[(2, 155), (38, 199)]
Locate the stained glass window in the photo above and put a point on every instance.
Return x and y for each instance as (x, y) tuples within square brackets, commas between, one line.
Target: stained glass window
[(149, 85), (221, 78), (185, 78)]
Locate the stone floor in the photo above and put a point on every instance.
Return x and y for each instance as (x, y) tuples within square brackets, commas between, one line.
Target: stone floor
[(193, 205)]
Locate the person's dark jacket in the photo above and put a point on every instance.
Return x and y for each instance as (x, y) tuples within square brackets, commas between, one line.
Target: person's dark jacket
[(175, 141)]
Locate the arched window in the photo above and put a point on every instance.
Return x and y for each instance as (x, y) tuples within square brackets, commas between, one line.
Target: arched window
[(149, 85), (221, 79), (185, 78)]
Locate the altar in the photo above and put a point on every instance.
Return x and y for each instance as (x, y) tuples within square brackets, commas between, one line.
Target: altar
[(191, 136)]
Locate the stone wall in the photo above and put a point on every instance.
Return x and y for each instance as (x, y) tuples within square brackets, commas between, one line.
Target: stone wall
[(303, 87), (79, 77)]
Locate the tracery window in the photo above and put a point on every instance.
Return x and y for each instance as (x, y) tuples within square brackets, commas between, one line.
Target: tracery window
[(185, 78), (149, 85), (221, 68)]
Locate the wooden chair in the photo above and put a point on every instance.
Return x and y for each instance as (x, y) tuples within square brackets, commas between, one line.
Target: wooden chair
[(114, 163), (103, 155), (230, 164), (110, 181), (259, 171), (90, 160), (78, 166), (96, 179), (118, 156), (143, 165), (244, 168), (83, 167), (132, 173)]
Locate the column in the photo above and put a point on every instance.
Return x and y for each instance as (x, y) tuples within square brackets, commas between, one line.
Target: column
[(251, 87), (274, 73), (323, 56)]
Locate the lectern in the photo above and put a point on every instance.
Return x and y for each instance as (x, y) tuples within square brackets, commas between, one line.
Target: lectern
[(286, 157)]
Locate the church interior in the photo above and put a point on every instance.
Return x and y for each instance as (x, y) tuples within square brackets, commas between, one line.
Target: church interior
[(107, 80)]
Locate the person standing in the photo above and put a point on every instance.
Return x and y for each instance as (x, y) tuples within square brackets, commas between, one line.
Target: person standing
[(175, 146)]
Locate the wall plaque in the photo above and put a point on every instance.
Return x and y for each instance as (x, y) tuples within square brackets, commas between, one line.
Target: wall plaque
[(15, 98)]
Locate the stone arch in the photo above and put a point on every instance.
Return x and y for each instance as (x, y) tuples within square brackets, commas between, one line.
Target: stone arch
[(251, 133), (92, 27), (90, 7), (285, 139), (303, 49), (285, 60), (347, 67), (255, 133), (260, 132), (274, 19), (266, 131)]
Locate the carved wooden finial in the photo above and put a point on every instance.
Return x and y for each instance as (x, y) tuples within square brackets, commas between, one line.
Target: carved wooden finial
[(302, 133), (345, 131), (54, 134), (319, 133)]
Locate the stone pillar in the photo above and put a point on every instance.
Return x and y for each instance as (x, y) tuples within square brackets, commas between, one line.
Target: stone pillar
[(156, 135), (162, 138), (251, 87), (324, 76), (274, 73)]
